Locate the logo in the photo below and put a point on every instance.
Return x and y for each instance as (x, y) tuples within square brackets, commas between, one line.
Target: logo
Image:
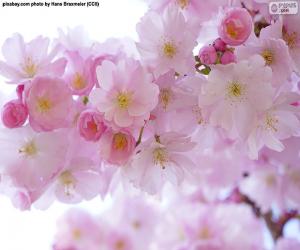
[(283, 8)]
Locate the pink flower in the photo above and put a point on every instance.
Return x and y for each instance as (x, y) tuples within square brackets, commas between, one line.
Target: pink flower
[(208, 55), (90, 125), (117, 241), (78, 230), (235, 26), (126, 94), (79, 75), (23, 152), (228, 57), (235, 93), (280, 121), (77, 181), (116, 147), (167, 42), (28, 60), (159, 160), (264, 187), (274, 52), (49, 102), (14, 114)]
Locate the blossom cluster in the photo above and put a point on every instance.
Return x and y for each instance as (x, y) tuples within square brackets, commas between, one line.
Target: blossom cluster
[(137, 222), (207, 98)]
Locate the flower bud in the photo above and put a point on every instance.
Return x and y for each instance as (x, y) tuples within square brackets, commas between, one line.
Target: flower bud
[(14, 114), (208, 55), (90, 125)]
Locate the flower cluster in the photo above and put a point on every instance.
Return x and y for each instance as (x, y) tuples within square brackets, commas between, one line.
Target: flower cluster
[(133, 223), (207, 98)]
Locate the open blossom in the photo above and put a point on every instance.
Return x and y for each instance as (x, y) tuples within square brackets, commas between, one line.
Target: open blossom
[(126, 95), (167, 42), (90, 125), (286, 28), (49, 103), (27, 60), (235, 26), (280, 121), (116, 147), (79, 231), (275, 53), (79, 75), (264, 186), (159, 160), (23, 152), (235, 93), (14, 114), (76, 182)]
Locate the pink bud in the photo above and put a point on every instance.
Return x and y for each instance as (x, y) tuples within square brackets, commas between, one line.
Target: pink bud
[(219, 45), (90, 125), (227, 57), (14, 114), (235, 26), (20, 89), (208, 55)]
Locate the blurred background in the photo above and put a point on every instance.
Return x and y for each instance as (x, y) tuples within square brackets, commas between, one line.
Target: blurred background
[(34, 230)]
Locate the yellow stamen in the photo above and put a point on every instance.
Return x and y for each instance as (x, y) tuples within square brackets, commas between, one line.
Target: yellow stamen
[(165, 97), (29, 149), (160, 157), (169, 50), (231, 30), (183, 3), (235, 90), (204, 233), (78, 82), (120, 245), (271, 122), (43, 105), (124, 100), (77, 234), (290, 39), (120, 141), (268, 55), (30, 68), (68, 181)]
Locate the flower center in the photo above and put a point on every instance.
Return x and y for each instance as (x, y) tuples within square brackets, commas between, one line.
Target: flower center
[(43, 105), (68, 181), (30, 68), (160, 157), (120, 245), (169, 50), (196, 110), (232, 30), (290, 38), (165, 97), (271, 122), (77, 234), (270, 180), (268, 55), (235, 90), (204, 233), (183, 3), (29, 149), (120, 141), (78, 82), (124, 100)]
